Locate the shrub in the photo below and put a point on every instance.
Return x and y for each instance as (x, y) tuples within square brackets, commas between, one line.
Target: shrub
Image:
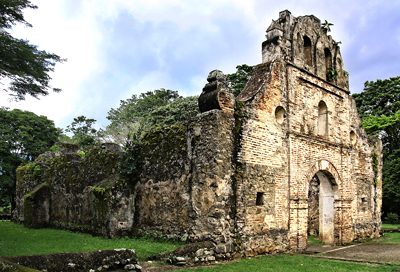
[(392, 218)]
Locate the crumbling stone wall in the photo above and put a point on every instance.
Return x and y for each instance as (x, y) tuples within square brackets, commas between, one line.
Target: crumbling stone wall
[(83, 193)]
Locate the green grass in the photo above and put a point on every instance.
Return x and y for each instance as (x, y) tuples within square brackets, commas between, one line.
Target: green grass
[(285, 262), (314, 240), (393, 237), (16, 240), (390, 226)]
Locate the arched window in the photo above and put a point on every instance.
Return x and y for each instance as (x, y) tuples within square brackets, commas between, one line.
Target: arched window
[(280, 114), (322, 119), (353, 137), (307, 51)]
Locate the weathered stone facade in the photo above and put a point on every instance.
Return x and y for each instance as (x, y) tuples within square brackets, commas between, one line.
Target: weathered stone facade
[(252, 175)]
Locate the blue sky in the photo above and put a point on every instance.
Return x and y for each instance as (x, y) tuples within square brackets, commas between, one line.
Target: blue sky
[(116, 48)]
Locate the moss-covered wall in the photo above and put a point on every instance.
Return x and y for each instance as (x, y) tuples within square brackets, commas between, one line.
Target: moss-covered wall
[(62, 190), (36, 207), (185, 186), (70, 177), (163, 184), (28, 177)]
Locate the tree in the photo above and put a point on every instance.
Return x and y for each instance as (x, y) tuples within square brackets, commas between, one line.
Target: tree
[(23, 68), (379, 108), (137, 108), (178, 111), (381, 97), (237, 81), (23, 137), (134, 113), (388, 127), (83, 132)]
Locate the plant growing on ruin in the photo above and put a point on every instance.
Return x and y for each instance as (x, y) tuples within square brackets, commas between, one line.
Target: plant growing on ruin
[(131, 161), (331, 74), (81, 154), (326, 25), (55, 148)]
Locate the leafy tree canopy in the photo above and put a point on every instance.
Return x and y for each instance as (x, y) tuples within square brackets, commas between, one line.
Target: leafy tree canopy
[(138, 107), (237, 81), (379, 107), (23, 137), (381, 97), (83, 132), (388, 127), (154, 108), (23, 67)]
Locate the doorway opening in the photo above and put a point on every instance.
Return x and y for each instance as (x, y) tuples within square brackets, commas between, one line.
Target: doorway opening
[(321, 197)]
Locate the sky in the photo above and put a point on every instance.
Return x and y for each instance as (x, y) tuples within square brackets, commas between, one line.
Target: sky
[(117, 48)]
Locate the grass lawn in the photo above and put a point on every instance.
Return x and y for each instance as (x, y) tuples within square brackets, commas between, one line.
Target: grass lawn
[(390, 226), (393, 237), (314, 240), (16, 240), (285, 262)]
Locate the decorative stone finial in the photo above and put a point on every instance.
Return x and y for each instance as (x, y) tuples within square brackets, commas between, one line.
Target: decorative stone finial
[(216, 94)]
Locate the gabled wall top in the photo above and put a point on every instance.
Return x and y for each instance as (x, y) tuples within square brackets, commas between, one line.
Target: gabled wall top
[(305, 43)]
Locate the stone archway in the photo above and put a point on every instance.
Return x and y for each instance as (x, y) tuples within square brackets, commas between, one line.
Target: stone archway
[(323, 190)]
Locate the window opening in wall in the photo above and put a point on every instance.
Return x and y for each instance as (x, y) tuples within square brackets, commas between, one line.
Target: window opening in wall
[(322, 119), (328, 60), (280, 114), (307, 51), (260, 199), (353, 137)]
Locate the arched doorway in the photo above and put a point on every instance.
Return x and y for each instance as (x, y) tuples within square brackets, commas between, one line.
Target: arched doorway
[(323, 190)]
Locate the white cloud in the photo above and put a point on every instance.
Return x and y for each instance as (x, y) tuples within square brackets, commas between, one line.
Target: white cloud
[(166, 43)]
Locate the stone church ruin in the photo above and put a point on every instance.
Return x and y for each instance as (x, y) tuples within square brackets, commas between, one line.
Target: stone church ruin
[(252, 174)]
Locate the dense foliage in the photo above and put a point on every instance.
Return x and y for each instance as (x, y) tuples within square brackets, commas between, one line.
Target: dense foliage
[(381, 97), (83, 132), (23, 137), (139, 113), (24, 69), (237, 81), (379, 107)]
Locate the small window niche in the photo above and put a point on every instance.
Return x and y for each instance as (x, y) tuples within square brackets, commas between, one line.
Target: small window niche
[(260, 199), (322, 119), (280, 114), (307, 51), (353, 138)]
